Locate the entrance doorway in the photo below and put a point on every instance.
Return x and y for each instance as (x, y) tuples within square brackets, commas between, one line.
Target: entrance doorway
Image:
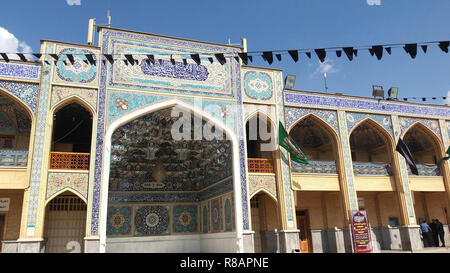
[(66, 224), (303, 227), (2, 228)]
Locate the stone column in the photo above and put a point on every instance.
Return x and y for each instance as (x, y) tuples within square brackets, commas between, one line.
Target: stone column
[(409, 231)]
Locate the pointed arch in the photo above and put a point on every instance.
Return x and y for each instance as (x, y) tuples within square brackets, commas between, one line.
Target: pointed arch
[(72, 99), (17, 100), (328, 128), (264, 191), (377, 127), (64, 190), (435, 140), (153, 108)]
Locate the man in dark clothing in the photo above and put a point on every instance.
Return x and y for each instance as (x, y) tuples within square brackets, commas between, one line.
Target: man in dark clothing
[(434, 232), (440, 231)]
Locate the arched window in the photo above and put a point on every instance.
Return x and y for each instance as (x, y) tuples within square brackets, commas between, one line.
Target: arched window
[(424, 150), (370, 150), (316, 141), (15, 127), (260, 144), (71, 138)]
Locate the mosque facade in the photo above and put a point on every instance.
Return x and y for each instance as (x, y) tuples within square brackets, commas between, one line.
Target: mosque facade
[(89, 161)]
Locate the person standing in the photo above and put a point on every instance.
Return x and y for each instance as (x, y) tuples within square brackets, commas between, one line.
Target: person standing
[(426, 234), (440, 231), (434, 232)]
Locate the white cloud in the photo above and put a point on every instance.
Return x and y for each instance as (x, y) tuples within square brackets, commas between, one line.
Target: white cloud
[(10, 44), (73, 2), (325, 67), (373, 2)]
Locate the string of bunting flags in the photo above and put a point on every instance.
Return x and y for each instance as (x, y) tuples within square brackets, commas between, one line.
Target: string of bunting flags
[(268, 56)]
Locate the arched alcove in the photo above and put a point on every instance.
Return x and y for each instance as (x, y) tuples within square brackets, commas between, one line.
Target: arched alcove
[(71, 137), (158, 181), (424, 147), (260, 143), (65, 224), (318, 142), (371, 149), (265, 222), (15, 129)]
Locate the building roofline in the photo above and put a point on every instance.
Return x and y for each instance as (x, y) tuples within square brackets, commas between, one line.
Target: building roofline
[(21, 62), (68, 43), (168, 37), (262, 68), (358, 97)]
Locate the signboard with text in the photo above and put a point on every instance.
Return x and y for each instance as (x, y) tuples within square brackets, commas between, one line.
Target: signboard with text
[(361, 232), (4, 204)]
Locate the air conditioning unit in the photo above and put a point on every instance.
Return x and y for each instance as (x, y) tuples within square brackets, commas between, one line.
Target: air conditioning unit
[(378, 91)]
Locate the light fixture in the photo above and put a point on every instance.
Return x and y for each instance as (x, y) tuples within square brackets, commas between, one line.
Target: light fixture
[(289, 82), (377, 91), (393, 93)]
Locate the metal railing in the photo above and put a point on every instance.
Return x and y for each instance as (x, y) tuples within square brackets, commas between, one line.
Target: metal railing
[(260, 165), (314, 166), (13, 158), (370, 168), (426, 170), (69, 161)]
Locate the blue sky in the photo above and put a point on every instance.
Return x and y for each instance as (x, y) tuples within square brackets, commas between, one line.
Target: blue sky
[(268, 25)]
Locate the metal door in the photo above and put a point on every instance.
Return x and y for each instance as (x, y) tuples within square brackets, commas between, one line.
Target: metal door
[(66, 225)]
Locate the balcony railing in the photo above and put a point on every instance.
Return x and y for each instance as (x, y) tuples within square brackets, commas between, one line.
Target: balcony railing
[(370, 168), (13, 158), (319, 167), (426, 170), (69, 161), (260, 165)]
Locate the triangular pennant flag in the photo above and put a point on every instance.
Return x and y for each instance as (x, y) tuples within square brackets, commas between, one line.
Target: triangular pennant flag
[(411, 49), (151, 58), (91, 59), (294, 54), (130, 58), (444, 46), (355, 52), (321, 54), (388, 50), (378, 50), (403, 149), (22, 57), (424, 48), (172, 60), (285, 141), (126, 62), (221, 58), (37, 55), (268, 56), (349, 52), (184, 61), (71, 58), (55, 57), (446, 157), (5, 57), (278, 57), (211, 60), (104, 62), (308, 54), (243, 57), (109, 57), (64, 62), (338, 53), (250, 58), (196, 58), (371, 51), (236, 58)]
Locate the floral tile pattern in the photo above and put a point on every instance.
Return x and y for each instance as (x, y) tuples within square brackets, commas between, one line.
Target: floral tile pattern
[(119, 221), (185, 218)]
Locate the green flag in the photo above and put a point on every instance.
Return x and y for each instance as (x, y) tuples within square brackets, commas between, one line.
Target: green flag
[(447, 157), (285, 141)]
